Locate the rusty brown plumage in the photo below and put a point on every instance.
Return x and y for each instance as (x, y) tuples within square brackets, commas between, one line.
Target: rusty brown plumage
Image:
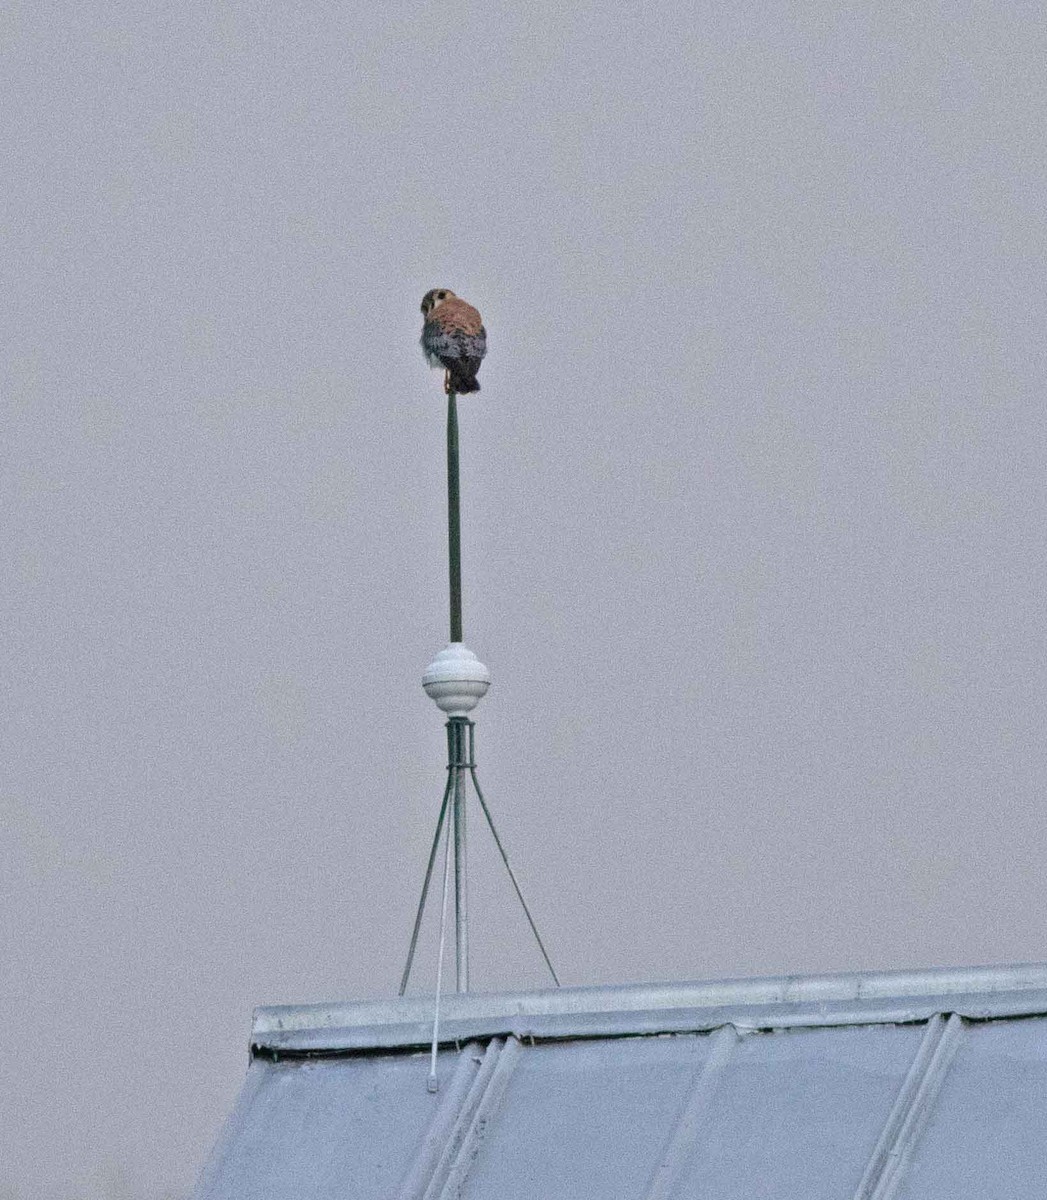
[(453, 337), (455, 314)]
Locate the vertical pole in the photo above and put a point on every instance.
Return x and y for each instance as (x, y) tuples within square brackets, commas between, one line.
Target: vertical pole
[(454, 526), (456, 728)]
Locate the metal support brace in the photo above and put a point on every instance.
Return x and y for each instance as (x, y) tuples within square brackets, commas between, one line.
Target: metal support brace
[(505, 859), (461, 767), (425, 888)]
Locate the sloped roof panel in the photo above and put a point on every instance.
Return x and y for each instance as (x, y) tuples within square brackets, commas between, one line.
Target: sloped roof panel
[(985, 1133), (798, 1112), (324, 1129), (856, 1087), (586, 1118)]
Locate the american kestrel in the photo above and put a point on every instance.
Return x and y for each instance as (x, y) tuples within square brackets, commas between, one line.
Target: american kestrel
[(453, 337)]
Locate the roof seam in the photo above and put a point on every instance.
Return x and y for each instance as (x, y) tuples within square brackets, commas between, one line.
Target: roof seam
[(692, 1117), (918, 1110), (459, 1131), (903, 1101), (469, 1145), (447, 1115)]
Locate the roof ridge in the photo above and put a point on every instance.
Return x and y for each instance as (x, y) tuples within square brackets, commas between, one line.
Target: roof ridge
[(631, 1009)]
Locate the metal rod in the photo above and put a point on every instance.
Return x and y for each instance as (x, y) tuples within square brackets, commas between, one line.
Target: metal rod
[(505, 859), (433, 1084), (456, 738), (454, 524), (425, 887)]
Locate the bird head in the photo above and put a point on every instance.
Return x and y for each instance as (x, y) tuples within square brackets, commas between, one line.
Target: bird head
[(435, 297)]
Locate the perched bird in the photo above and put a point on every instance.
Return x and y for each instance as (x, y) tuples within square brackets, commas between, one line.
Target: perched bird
[(453, 337)]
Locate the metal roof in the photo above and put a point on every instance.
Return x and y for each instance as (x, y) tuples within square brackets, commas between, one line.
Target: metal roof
[(899, 1085)]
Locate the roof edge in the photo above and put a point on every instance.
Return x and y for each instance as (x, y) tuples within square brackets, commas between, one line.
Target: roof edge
[(624, 1009)]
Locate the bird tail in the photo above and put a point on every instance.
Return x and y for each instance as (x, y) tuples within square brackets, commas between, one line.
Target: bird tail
[(463, 376)]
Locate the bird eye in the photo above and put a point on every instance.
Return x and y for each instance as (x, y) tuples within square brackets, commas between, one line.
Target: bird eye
[(441, 295)]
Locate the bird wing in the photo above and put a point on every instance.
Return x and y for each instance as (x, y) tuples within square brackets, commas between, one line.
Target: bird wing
[(458, 314), (446, 339), (439, 342)]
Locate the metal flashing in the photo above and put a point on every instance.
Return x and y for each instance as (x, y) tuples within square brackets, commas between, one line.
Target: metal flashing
[(892, 997)]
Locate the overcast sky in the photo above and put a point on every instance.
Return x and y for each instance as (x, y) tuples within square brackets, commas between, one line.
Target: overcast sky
[(753, 502)]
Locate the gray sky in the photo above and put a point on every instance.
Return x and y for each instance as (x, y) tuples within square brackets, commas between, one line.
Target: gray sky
[(754, 513)]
